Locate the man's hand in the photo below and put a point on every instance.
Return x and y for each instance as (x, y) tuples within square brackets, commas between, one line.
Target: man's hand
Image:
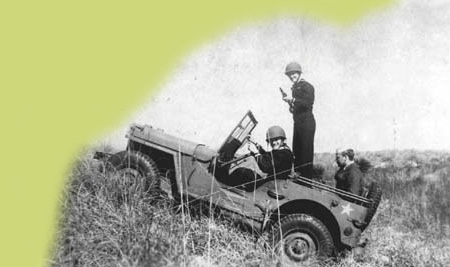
[(252, 148), (288, 100), (253, 142)]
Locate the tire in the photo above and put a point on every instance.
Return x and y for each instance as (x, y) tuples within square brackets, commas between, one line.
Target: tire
[(135, 164), (374, 194), (301, 238)]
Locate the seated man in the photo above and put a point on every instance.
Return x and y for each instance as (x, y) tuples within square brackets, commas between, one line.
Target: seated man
[(277, 163), (349, 177)]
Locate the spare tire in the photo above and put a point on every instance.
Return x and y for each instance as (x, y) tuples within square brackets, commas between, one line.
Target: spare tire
[(135, 164), (374, 195)]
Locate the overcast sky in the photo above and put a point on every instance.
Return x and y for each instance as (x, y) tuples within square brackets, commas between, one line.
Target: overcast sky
[(380, 84)]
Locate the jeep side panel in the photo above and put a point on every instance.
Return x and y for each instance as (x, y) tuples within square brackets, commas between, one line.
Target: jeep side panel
[(179, 160), (335, 212)]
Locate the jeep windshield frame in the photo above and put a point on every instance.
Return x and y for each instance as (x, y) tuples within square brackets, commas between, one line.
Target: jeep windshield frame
[(241, 132)]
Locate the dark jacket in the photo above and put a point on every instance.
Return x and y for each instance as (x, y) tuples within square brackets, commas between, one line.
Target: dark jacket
[(349, 179), (303, 95), (277, 162)]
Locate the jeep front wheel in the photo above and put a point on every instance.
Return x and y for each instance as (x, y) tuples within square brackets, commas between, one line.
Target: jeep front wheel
[(301, 238), (134, 165)]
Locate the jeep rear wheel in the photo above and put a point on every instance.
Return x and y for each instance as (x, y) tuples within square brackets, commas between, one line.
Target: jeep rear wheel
[(301, 238), (134, 165)]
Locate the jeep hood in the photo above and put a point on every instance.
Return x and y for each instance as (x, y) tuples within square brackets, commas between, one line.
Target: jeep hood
[(159, 139)]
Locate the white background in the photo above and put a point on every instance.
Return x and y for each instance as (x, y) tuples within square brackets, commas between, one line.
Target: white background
[(381, 83)]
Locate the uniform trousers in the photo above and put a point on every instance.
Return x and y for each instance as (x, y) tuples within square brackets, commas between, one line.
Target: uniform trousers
[(303, 144)]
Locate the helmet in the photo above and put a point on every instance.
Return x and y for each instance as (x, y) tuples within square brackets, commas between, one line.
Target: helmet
[(293, 67), (275, 132)]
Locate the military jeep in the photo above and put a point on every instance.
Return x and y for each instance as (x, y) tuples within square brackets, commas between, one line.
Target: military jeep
[(306, 220)]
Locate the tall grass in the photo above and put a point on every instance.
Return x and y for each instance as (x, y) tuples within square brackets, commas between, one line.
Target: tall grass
[(109, 220)]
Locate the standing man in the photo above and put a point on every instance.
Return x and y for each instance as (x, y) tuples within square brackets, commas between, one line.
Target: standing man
[(349, 177), (301, 105)]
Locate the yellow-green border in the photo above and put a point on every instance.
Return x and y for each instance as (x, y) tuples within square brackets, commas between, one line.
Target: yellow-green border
[(71, 70)]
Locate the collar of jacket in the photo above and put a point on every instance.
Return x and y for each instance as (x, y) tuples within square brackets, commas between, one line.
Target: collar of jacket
[(300, 81), (284, 147), (349, 165)]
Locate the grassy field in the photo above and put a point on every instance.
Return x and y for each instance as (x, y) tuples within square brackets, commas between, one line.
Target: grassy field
[(111, 221)]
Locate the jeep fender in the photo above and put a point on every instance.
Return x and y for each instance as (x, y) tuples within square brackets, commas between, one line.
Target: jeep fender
[(311, 208)]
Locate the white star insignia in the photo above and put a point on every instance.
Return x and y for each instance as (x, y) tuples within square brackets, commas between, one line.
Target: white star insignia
[(346, 209)]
